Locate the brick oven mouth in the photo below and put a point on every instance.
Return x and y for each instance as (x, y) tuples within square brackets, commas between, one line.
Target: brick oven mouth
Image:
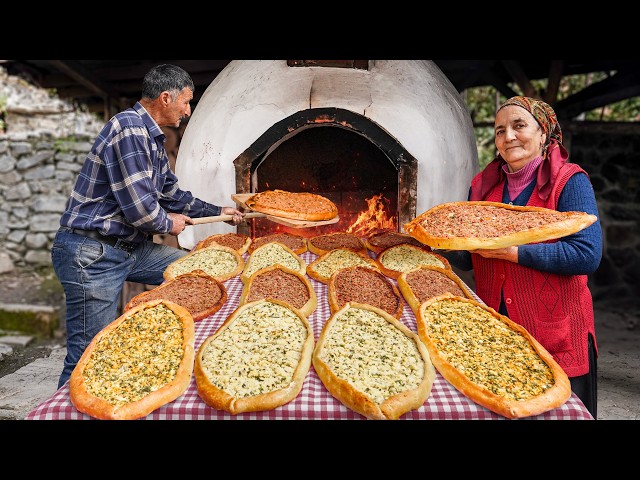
[(338, 154)]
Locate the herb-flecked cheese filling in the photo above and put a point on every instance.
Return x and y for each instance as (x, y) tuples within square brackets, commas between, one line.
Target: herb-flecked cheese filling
[(486, 350), (403, 258), (257, 353), (212, 261), (140, 356), (374, 356), (271, 254), (338, 259)]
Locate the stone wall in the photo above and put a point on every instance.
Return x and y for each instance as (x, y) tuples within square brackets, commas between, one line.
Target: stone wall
[(37, 174), (613, 163)]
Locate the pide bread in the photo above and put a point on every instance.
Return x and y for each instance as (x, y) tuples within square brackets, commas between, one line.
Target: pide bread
[(321, 244), (257, 360), (200, 293), (281, 283), (480, 224), (489, 358), (293, 205), (395, 260), (222, 263), (364, 285), (139, 362), (238, 241), (378, 241), (372, 363), (273, 253), (295, 242), (325, 265), (427, 281)]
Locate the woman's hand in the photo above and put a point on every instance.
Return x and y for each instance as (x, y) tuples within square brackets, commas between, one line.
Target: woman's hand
[(509, 254)]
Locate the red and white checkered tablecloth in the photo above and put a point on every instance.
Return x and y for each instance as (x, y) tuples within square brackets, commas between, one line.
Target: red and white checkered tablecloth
[(313, 402)]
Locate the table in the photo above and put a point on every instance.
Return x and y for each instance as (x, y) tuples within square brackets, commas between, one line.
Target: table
[(314, 402)]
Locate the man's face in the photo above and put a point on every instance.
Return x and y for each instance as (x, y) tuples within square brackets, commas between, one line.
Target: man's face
[(179, 108)]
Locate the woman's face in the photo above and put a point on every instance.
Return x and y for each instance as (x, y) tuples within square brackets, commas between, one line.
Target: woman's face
[(519, 137)]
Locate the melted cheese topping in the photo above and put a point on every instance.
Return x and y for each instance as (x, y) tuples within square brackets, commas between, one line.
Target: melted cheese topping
[(210, 260), (486, 350), (137, 358), (257, 353), (271, 254), (337, 260), (374, 356), (403, 258)]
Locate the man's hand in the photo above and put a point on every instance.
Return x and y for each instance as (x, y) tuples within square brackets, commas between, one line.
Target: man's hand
[(238, 216), (179, 223)]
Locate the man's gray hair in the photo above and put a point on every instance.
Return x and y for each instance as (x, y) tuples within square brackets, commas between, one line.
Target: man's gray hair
[(165, 77)]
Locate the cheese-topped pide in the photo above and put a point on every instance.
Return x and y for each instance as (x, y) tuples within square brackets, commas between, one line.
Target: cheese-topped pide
[(273, 253), (324, 266), (257, 360), (219, 261), (372, 363), (490, 358), (137, 363), (395, 260)]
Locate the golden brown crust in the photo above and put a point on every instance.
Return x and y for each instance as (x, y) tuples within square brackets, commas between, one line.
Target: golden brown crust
[(393, 261), (238, 241), (473, 360), (295, 242), (200, 293), (325, 265), (267, 255), (364, 285), (321, 244), (98, 407), (280, 283), (222, 263), (218, 398), (345, 386), (294, 205), (410, 284), (379, 241), (448, 226)]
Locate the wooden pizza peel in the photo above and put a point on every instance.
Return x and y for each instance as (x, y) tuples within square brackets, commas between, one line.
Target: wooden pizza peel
[(241, 198)]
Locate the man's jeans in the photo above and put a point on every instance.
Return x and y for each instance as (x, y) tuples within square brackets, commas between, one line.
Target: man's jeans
[(92, 274)]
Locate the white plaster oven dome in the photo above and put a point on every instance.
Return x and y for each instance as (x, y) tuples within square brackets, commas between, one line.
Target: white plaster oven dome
[(411, 100)]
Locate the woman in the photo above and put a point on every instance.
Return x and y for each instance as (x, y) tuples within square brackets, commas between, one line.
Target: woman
[(541, 286)]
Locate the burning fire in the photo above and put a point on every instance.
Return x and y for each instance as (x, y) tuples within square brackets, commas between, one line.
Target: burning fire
[(375, 218)]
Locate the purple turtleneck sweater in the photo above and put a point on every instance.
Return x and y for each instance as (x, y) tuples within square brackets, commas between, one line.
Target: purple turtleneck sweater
[(518, 181)]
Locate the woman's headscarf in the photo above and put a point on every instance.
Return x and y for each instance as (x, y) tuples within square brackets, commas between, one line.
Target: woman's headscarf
[(554, 154), (542, 112)]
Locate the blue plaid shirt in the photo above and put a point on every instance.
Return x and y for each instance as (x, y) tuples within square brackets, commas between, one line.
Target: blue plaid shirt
[(126, 187)]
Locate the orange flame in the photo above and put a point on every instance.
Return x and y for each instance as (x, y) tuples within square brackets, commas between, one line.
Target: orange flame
[(374, 218)]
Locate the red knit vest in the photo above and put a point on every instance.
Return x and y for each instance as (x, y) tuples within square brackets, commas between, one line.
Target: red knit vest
[(556, 309)]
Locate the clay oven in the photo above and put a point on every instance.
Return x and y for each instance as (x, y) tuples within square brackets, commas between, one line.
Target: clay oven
[(384, 139)]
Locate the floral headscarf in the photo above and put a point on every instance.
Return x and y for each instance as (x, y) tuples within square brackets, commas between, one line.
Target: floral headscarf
[(542, 112), (554, 154)]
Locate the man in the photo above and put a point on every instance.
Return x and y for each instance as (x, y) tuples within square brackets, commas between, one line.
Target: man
[(124, 194)]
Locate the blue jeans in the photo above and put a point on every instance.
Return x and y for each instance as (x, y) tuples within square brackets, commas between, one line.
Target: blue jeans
[(92, 274)]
